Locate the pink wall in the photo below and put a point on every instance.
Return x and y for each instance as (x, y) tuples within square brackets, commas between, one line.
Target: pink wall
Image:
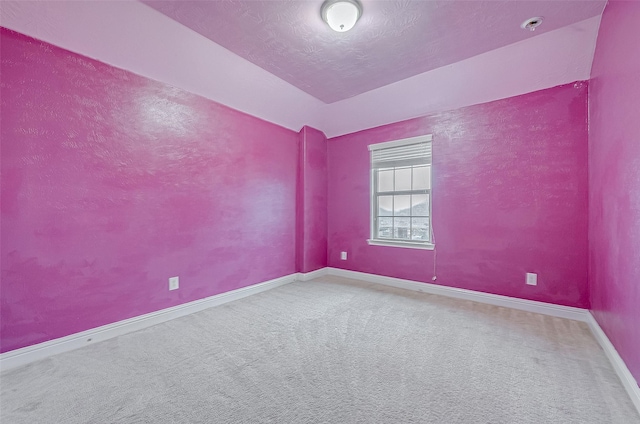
[(111, 183), (614, 181), (510, 197), (311, 250)]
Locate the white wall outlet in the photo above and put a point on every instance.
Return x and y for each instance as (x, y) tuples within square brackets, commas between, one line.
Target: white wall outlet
[(174, 283), (532, 279), (343, 256)]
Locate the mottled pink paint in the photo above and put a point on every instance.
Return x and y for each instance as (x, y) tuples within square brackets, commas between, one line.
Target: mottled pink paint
[(614, 181), (311, 234), (510, 197), (150, 44), (111, 183)]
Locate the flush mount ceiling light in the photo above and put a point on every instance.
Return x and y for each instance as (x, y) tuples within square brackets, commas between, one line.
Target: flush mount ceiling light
[(532, 23), (341, 15)]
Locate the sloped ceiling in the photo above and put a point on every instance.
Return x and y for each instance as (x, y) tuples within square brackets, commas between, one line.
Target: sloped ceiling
[(394, 40), (472, 53)]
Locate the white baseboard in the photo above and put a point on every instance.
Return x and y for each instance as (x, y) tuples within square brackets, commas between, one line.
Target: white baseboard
[(43, 350), (568, 312), (577, 314), (306, 276), (619, 366)]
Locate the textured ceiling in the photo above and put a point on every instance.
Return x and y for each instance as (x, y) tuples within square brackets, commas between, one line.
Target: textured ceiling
[(394, 40)]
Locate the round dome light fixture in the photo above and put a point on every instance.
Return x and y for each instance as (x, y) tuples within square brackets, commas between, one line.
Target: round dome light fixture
[(532, 23), (341, 15)]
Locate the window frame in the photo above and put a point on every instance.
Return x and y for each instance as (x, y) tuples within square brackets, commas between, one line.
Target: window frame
[(373, 198)]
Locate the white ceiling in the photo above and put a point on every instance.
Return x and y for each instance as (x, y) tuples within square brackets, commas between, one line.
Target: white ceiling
[(394, 40)]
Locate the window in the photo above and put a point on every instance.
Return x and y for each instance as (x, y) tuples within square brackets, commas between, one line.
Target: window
[(401, 193)]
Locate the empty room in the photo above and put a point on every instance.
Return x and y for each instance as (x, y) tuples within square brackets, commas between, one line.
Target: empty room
[(320, 211)]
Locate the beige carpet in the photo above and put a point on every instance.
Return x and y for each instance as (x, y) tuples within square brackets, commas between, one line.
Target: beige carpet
[(330, 351)]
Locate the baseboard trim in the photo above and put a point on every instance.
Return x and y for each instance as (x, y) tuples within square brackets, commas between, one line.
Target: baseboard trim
[(306, 276), (629, 383), (43, 350), (577, 314), (49, 348)]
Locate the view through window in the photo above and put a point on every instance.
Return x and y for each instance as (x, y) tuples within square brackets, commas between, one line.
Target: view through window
[(403, 202)]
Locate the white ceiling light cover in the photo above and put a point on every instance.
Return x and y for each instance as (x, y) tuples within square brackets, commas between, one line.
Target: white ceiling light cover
[(341, 15)]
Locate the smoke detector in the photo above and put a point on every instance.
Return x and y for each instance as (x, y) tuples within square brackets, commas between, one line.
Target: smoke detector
[(532, 23)]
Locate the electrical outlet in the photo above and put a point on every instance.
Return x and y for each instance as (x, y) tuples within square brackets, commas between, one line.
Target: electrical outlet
[(174, 283), (343, 256), (532, 279)]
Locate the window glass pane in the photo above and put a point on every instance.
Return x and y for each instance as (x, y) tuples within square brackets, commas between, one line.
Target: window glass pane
[(385, 227), (401, 228), (403, 179), (402, 200), (385, 180), (420, 205), (420, 229), (421, 177), (385, 205), (402, 205)]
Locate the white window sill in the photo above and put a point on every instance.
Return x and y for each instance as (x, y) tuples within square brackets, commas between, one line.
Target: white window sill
[(405, 244)]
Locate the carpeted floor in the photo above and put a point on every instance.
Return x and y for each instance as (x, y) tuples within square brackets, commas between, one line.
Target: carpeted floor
[(330, 351)]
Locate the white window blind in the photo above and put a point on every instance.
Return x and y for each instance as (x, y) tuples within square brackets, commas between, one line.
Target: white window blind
[(406, 152)]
